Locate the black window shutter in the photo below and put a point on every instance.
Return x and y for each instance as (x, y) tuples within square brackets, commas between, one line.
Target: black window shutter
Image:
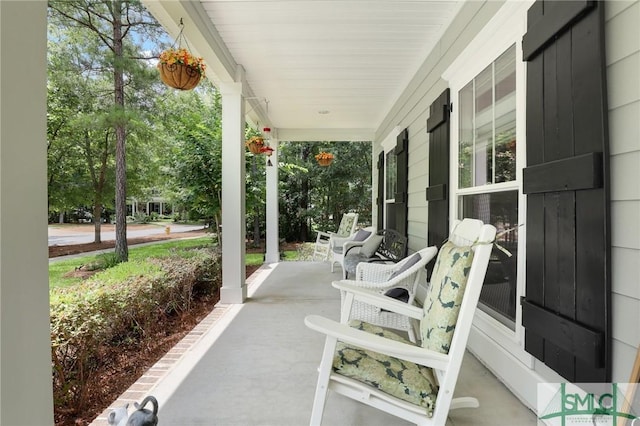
[(380, 199), (400, 206), (437, 192), (567, 309)]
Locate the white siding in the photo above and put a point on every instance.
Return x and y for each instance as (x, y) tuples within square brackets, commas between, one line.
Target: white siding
[(412, 110), (622, 39), (623, 73)]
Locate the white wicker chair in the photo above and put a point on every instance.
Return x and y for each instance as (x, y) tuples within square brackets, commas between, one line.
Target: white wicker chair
[(381, 278), (339, 246), (413, 382), (347, 227)]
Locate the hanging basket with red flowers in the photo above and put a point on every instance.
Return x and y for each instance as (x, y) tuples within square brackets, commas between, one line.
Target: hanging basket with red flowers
[(324, 158)]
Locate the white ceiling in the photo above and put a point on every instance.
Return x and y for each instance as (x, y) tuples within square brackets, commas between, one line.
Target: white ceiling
[(319, 68)]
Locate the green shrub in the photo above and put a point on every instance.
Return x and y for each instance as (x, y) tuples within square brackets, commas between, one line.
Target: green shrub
[(141, 218), (122, 305), (102, 261)]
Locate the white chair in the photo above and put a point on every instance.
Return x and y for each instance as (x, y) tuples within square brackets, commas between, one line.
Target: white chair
[(347, 227), (365, 354), (399, 280), (339, 246), (388, 246)]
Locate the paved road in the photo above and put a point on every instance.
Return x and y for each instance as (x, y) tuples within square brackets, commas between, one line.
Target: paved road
[(61, 236)]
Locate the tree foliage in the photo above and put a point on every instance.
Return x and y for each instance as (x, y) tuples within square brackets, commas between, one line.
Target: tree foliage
[(190, 130), (315, 197), (114, 31), (104, 91)]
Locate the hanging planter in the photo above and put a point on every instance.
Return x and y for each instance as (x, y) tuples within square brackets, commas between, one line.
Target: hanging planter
[(178, 67), (255, 144), (324, 159)]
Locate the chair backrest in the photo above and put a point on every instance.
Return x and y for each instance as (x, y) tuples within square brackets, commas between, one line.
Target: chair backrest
[(348, 224), (410, 271), (453, 295)]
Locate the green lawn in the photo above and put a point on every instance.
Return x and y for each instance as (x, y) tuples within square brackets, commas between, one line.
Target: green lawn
[(57, 270)]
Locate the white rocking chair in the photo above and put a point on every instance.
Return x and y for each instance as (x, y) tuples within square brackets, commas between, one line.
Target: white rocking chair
[(402, 278), (359, 354), (324, 239)]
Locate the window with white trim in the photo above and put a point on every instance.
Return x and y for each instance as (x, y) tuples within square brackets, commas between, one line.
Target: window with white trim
[(488, 136), (487, 185)]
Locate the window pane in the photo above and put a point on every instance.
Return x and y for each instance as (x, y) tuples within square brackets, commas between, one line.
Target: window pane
[(500, 209), (484, 128), (505, 117), (465, 118), (487, 125), (391, 176)]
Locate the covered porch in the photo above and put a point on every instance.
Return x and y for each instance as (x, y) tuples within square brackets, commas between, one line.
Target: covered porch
[(256, 364), (371, 71)]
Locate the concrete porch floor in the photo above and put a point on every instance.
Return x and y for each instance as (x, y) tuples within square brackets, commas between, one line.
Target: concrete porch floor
[(256, 364)]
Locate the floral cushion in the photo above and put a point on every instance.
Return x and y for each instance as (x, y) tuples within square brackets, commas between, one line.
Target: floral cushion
[(405, 380), (442, 302), (346, 225)]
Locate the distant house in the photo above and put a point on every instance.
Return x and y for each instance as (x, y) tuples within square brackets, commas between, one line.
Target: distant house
[(157, 205)]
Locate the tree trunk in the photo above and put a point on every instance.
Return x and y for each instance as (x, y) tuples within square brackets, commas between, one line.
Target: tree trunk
[(97, 216), (121, 249), (304, 199), (61, 217)]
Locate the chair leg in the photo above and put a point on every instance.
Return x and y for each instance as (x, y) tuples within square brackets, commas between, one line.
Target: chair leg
[(323, 381)]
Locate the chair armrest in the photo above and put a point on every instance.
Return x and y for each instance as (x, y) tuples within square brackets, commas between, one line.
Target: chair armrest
[(340, 241), (369, 341), (323, 235), (376, 286), (378, 300), (349, 244), (352, 248)]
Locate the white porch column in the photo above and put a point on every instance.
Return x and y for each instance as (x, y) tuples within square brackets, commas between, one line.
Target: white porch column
[(26, 394), (234, 289), (273, 246)]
